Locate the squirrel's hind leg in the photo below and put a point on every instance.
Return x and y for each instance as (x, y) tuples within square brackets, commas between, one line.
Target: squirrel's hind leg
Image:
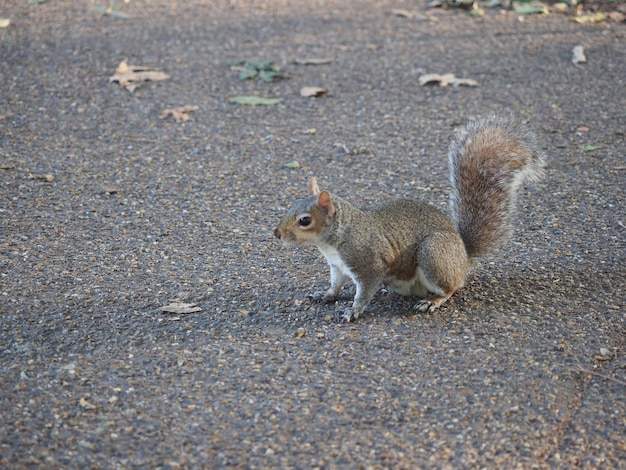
[(442, 268)]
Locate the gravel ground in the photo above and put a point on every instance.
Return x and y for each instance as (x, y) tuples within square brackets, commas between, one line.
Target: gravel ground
[(109, 212)]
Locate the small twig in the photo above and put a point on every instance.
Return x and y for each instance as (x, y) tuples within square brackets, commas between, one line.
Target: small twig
[(582, 369)]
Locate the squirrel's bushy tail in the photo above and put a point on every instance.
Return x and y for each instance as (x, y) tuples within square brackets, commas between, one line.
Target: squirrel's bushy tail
[(489, 159)]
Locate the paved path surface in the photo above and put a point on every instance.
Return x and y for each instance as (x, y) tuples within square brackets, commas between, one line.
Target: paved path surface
[(109, 212)]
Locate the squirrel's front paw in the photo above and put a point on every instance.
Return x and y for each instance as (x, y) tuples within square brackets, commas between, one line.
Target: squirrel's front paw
[(347, 315)]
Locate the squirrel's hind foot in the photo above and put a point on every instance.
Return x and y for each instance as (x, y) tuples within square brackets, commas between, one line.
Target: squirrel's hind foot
[(323, 297), (429, 305)]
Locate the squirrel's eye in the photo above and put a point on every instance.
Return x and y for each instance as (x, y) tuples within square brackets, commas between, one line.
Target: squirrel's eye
[(305, 221)]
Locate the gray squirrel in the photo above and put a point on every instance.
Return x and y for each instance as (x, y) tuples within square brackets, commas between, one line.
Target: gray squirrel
[(410, 246)]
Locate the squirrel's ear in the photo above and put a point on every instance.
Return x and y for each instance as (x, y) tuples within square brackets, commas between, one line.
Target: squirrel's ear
[(314, 189), (325, 202)]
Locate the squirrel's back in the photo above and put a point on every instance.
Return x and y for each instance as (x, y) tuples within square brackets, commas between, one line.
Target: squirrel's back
[(489, 159)]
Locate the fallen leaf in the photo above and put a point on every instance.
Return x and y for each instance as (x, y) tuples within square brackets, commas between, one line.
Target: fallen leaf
[(247, 74), (446, 79), (590, 18), (180, 308), (111, 190), (605, 352), (617, 16), (47, 178), (491, 3), (111, 11), (477, 11), (578, 55), (531, 8), (36, 2), (312, 61), (270, 75), (4, 22), (122, 68), (589, 148), (560, 7), (312, 91), (464, 4), (180, 114), (264, 69), (132, 76), (254, 100), (402, 13), (293, 165), (83, 403)]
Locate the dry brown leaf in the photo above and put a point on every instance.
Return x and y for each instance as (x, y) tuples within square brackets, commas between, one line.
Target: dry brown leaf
[(180, 307), (559, 7), (402, 13), (446, 79), (83, 403), (617, 16), (312, 91), (180, 114), (47, 178), (597, 17), (132, 76), (122, 68)]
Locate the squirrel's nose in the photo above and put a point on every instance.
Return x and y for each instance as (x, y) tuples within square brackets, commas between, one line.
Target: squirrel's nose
[(277, 233)]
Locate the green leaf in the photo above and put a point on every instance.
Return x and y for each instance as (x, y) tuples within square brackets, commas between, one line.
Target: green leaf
[(252, 68), (270, 75), (293, 165), (589, 148), (262, 65), (254, 100), (530, 8), (247, 74)]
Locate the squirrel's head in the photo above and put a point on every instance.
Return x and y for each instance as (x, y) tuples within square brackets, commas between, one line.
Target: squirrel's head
[(307, 219)]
